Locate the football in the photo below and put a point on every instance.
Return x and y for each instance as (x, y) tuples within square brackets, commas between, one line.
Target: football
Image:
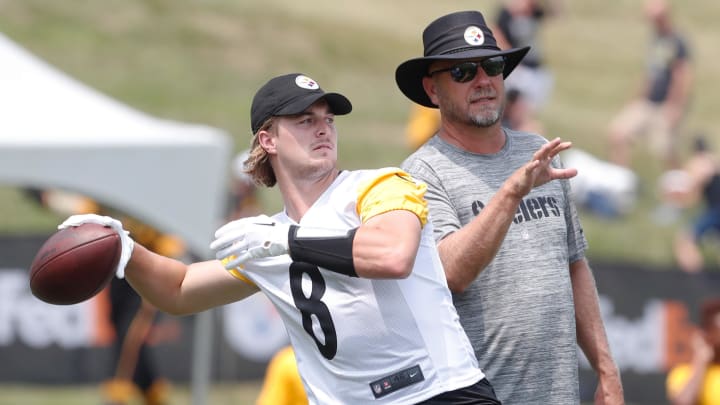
[(75, 263)]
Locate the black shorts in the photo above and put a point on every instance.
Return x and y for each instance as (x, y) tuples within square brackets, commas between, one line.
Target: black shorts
[(480, 393)]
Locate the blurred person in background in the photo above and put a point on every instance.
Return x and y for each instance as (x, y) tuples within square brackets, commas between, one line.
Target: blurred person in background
[(698, 381), (510, 240), (602, 188), (696, 183), (657, 111), (517, 25), (136, 372), (422, 124), (518, 115), (244, 199), (282, 384)]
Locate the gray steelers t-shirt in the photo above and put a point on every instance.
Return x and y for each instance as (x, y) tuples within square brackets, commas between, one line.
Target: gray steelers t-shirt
[(519, 312)]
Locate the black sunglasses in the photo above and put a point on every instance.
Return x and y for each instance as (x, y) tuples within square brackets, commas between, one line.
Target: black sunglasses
[(466, 71)]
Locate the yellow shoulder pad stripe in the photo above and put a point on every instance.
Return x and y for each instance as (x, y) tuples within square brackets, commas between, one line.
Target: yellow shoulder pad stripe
[(392, 189), (236, 272)]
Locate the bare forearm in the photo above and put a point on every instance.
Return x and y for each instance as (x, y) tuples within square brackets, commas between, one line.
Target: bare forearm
[(179, 289), (590, 329), (591, 335), (468, 251), (386, 246)]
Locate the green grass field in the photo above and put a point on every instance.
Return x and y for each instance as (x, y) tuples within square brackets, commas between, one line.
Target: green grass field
[(201, 61)]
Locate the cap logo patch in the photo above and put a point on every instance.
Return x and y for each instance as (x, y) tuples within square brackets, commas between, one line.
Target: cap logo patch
[(474, 35), (306, 82)]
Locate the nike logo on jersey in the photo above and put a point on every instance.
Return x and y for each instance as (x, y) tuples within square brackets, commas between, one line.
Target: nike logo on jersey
[(396, 381)]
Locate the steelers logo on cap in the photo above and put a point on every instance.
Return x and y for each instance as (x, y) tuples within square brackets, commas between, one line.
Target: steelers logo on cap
[(306, 82), (474, 35)]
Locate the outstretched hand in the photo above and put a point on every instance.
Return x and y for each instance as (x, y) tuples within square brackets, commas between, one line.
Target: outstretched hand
[(539, 170), (250, 238)]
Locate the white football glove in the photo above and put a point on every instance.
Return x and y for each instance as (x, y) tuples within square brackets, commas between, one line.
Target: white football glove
[(250, 238), (127, 243)]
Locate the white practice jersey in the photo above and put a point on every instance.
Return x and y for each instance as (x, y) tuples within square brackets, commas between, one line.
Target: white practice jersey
[(364, 341)]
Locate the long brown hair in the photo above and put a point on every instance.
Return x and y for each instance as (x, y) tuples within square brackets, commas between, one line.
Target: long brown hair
[(257, 165)]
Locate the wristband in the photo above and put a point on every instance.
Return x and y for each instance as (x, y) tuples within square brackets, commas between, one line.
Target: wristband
[(333, 253)]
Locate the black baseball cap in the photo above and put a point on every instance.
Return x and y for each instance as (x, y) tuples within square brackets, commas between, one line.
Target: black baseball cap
[(289, 95)]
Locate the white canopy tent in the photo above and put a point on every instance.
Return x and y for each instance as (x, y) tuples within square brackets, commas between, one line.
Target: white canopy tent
[(56, 132)]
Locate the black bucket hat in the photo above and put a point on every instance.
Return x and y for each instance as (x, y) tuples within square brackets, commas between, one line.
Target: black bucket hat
[(289, 95), (460, 35)]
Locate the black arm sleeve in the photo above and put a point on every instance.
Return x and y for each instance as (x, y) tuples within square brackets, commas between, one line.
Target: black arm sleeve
[(334, 253)]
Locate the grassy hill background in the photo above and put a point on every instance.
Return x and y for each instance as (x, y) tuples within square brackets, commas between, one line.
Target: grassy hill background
[(201, 61)]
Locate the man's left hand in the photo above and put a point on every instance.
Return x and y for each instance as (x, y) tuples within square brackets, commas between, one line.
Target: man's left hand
[(250, 238)]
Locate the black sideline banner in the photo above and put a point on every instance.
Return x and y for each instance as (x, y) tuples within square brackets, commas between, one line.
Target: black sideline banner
[(648, 313)]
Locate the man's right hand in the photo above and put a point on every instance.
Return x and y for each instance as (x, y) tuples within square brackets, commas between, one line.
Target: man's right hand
[(127, 243)]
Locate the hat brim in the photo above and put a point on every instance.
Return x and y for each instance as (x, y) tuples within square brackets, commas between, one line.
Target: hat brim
[(409, 74), (339, 104)]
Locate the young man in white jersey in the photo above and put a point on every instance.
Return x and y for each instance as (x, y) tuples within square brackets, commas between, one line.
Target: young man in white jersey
[(350, 264)]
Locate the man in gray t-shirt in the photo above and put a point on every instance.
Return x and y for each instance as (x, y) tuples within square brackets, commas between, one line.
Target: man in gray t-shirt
[(508, 234)]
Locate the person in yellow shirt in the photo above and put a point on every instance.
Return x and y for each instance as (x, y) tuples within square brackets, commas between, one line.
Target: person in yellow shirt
[(422, 124), (282, 384), (698, 382)]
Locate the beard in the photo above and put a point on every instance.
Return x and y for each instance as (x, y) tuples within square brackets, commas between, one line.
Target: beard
[(485, 117)]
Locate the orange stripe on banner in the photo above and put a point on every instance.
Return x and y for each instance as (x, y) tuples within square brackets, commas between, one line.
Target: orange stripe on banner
[(103, 330), (678, 330)]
